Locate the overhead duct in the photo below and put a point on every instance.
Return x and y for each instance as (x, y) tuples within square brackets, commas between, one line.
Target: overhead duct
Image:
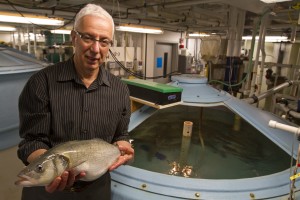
[(254, 6), (64, 14)]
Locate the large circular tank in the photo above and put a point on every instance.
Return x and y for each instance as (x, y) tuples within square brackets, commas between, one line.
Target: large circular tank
[(231, 154)]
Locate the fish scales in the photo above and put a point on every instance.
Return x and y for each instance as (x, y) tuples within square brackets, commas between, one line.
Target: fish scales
[(94, 157)]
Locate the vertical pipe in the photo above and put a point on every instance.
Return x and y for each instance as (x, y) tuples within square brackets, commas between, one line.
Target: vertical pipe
[(28, 45), (263, 53), (293, 33), (14, 40), (34, 41), (187, 128), (185, 142), (186, 42), (250, 66), (253, 82), (231, 33), (19, 39), (145, 75), (239, 32)]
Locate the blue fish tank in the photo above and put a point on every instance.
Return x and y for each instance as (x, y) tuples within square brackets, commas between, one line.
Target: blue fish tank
[(210, 145)]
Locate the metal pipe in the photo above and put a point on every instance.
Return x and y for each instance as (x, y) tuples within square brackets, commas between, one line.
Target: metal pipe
[(250, 67), (14, 40), (293, 33), (232, 31), (239, 32), (276, 89), (46, 12), (263, 53), (19, 39), (188, 3), (34, 41), (254, 71), (288, 110), (269, 92)]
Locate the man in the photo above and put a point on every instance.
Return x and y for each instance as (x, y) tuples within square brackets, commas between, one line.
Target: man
[(76, 100)]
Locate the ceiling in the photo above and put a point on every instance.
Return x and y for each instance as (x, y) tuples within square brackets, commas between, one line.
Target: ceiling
[(173, 15)]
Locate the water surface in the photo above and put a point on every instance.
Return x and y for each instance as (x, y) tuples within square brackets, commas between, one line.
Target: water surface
[(222, 145)]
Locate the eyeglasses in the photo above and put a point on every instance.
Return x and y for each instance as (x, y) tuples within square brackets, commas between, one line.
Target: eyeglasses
[(90, 40)]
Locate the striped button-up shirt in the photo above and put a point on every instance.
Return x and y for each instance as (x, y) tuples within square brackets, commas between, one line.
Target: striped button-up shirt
[(55, 107)]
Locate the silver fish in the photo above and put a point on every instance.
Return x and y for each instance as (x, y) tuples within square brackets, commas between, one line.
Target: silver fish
[(94, 157)]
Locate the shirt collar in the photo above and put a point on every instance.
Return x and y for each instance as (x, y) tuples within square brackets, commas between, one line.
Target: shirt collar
[(68, 73), (103, 77)]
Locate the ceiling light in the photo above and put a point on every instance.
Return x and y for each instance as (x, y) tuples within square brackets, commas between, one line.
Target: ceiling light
[(139, 29), (198, 35), (31, 20), (7, 28), (273, 1), (61, 31), (269, 38)]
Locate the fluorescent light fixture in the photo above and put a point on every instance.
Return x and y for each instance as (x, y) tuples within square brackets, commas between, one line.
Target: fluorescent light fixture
[(7, 28), (269, 38), (198, 35), (61, 31), (273, 1), (139, 29), (31, 20)]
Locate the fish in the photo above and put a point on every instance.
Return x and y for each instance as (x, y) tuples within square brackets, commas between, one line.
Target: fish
[(94, 157)]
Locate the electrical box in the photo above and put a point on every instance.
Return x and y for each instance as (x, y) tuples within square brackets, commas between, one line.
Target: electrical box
[(185, 64), (129, 64), (138, 56), (112, 65), (118, 52)]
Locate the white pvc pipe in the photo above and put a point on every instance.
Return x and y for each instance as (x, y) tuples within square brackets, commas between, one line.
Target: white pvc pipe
[(34, 41), (258, 48), (263, 58), (284, 127), (28, 45), (187, 128)]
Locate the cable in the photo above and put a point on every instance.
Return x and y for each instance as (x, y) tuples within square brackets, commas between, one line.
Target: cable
[(135, 74)]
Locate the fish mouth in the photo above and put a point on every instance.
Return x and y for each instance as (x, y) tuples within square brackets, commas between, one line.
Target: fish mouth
[(23, 180)]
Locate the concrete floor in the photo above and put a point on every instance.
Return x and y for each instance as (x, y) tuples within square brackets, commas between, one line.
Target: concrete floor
[(10, 165)]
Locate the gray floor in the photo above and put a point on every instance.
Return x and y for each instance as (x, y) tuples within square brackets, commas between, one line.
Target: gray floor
[(10, 165)]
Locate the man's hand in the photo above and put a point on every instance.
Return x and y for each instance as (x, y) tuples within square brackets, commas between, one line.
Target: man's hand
[(65, 181), (127, 154)]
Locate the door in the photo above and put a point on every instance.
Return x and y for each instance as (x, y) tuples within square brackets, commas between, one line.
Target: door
[(164, 54)]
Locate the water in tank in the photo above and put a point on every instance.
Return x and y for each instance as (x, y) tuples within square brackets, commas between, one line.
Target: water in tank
[(222, 145)]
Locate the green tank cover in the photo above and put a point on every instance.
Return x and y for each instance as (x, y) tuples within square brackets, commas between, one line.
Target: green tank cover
[(159, 87), (157, 93)]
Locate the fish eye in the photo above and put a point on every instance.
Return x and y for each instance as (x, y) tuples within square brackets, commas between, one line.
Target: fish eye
[(39, 168)]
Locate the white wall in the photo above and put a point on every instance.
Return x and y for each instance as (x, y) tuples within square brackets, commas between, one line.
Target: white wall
[(5, 37), (169, 37)]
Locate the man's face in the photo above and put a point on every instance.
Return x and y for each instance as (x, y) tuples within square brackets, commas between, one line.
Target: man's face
[(90, 54)]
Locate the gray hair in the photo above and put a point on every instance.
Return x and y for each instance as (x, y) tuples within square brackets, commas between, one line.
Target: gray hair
[(96, 10)]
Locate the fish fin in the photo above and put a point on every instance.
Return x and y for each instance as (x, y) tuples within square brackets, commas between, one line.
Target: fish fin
[(65, 159), (62, 162)]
